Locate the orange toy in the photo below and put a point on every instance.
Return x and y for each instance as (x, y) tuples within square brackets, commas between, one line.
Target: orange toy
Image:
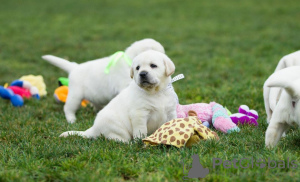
[(61, 94)]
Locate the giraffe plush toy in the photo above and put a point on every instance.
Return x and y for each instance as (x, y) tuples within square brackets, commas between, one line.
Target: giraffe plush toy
[(181, 132)]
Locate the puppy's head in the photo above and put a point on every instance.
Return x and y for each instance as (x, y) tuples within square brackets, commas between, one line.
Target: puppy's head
[(289, 80), (151, 70), (143, 45)]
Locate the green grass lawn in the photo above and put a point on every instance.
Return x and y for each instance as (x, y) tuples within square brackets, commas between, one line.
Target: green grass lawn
[(226, 49)]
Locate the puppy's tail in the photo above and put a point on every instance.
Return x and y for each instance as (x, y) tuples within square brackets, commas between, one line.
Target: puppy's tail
[(61, 63)]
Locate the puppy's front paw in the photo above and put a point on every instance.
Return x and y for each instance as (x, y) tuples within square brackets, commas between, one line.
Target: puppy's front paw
[(271, 138), (71, 119), (269, 145)]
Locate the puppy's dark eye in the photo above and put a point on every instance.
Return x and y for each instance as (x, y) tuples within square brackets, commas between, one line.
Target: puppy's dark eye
[(153, 66), (138, 67)]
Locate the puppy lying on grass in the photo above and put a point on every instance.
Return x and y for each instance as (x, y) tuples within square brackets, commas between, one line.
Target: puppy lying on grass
[(287, 109)]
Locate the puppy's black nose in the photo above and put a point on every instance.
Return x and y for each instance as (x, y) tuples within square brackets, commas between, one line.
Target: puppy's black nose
[(143, 74)]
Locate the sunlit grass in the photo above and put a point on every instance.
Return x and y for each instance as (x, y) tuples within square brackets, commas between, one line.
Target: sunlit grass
[(225, 49)]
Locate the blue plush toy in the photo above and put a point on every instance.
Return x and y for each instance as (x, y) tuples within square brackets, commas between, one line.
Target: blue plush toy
[(25, 84), (15, 99), (16, 90)]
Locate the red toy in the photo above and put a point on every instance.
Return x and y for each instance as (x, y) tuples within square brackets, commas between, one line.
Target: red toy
[(20, 91)]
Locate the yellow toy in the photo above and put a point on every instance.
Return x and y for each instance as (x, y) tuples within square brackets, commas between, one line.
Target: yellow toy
[(36, 81), (181, 132)]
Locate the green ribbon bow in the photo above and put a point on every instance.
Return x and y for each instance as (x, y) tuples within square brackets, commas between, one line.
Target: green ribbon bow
[(115, 58)]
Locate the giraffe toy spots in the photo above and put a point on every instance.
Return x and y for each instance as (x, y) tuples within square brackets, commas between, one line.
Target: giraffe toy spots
[(181, 132)]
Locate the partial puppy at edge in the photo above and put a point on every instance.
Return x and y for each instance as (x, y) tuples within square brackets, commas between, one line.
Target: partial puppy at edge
[(287, 110)]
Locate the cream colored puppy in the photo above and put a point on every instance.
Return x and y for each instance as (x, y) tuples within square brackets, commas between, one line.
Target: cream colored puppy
[(142, 107), (89, 81), (287, 110), (272, 95)]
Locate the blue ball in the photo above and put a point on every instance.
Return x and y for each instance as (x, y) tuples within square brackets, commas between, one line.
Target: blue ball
[(6, 93), (17, 101)]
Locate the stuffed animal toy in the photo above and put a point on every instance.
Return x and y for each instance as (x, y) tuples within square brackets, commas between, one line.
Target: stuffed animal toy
[(181, 132), (61, 94), (211, 113), (22, 87), (36, 81), (245, 116), (63, 81), (16, 100), (18, 90)]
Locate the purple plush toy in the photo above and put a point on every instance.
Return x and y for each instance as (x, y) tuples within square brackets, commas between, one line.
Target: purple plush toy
[(245, 116)]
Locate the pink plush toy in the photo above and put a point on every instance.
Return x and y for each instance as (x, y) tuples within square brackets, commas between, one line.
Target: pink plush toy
[(20, 91), (245, 116), (212, 113)]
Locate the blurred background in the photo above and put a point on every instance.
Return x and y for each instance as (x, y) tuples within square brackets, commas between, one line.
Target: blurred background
[(216, 44)]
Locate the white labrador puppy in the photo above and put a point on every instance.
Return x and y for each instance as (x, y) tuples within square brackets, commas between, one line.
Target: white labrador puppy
[(287, 110), (272, 95), (142, 107), (89, 80)]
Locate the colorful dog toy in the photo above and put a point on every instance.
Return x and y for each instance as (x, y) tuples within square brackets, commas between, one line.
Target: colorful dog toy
[(8, 94), (18, 90), (62, 81), (245, 116), (181, 132), (61, 94), (36, 81), (22, 88), (211, 113)]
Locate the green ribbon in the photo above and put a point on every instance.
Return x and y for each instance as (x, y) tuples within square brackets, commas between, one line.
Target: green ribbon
[(115, 58)]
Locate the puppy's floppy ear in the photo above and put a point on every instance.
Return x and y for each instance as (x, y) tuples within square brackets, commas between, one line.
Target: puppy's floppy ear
[(282, 77), (131, 72), (170, 67), (288, 78), (291, 87)]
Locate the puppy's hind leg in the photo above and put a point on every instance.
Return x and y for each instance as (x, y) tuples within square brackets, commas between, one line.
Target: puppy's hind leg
[(92, 133), (126, 138), (72, 105), (89, 133)]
